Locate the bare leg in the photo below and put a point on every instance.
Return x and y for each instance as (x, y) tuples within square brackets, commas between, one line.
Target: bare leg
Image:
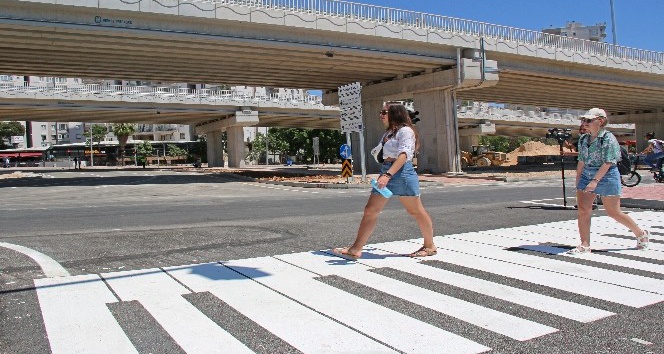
[(415, 208), (374, 206), (584, 201), (612, 207)]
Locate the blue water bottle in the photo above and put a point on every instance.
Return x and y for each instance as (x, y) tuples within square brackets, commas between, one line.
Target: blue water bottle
[(383, 191)]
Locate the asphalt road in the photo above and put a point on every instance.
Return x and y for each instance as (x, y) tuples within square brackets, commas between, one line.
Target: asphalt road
[(93, 222)]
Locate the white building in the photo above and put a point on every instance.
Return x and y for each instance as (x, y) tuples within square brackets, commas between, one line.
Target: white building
[(574, 29)]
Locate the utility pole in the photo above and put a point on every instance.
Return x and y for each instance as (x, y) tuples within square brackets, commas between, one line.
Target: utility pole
[(613, 24)]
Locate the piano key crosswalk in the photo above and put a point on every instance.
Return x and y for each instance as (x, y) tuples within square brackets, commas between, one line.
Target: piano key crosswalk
[(509, 285)]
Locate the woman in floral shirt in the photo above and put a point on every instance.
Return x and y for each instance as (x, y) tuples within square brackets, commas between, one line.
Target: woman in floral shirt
[(597, 174)]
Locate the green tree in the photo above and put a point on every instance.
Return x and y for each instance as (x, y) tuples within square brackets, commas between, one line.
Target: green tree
[(296, 141), (143, 150), (97, 131), (503, 143), (174, 150), (123, 131), (9, 129)]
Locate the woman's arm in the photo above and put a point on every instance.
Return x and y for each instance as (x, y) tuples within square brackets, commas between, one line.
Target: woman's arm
[(598, 176), (579, 171), (396, 166)]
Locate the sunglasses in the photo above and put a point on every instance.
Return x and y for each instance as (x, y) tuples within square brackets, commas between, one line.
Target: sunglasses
[(383, 113), (589, 120)]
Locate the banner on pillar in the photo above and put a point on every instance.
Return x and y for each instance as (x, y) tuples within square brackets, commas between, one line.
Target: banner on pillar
[(350, 103)]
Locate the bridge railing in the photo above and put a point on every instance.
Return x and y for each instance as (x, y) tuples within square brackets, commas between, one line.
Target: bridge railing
[(505, 114), (240, 97), (409, 18)]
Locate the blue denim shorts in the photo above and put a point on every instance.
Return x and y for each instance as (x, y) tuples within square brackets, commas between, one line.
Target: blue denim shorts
[(609, 185), (404, 183)]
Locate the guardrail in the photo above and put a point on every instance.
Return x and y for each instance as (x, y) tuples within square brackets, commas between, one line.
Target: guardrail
[(428, 21), (241, 97), (498, 114)]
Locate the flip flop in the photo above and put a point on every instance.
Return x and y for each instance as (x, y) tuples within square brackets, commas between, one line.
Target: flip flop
[(423, 252), (343, 251)]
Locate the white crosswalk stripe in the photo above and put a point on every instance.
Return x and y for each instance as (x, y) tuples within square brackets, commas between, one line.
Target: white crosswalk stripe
[(283, 295)]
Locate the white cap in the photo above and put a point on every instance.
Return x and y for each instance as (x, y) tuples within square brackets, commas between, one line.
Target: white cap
[(594, 113)]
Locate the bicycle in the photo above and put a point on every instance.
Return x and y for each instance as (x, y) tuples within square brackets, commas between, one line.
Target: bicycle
[(632, 178), (658, 176)]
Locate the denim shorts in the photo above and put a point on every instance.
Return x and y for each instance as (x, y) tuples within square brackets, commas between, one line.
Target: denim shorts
[(404, 183), (609, 185)]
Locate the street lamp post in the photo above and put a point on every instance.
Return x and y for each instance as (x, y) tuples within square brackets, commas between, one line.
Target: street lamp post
[(613, 24)]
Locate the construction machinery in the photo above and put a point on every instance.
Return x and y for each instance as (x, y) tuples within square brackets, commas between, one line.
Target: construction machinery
[(481, 156)]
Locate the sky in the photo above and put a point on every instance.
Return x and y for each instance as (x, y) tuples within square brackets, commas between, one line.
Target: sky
[(639, 23)]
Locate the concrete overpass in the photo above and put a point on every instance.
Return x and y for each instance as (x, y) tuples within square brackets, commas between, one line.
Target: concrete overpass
[(395, 54), (212, 110)]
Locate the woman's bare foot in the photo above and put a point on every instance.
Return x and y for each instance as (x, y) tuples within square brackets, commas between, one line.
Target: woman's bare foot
[(346, 251)]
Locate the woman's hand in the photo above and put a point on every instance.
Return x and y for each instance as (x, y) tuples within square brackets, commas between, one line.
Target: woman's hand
[(382, 181), (591, 186)]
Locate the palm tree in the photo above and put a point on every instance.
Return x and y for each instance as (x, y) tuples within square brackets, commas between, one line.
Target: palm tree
[(123, 131)]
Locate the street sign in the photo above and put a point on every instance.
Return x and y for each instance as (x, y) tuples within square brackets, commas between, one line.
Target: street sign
[(350, 103), (344, 151), (347, 169), (316, 145)]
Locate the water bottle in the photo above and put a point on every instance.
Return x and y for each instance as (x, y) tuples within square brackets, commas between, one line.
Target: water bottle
[(383, 191)]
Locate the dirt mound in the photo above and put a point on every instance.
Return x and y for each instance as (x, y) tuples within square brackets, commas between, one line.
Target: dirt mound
[(531, 148)]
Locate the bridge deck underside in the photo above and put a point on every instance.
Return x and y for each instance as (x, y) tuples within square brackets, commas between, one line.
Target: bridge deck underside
[(159, 56)]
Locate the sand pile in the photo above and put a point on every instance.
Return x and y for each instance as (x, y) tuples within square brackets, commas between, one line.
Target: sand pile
[(532, 148)]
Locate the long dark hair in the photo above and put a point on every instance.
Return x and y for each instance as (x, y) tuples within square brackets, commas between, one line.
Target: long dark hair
[(397, 117)]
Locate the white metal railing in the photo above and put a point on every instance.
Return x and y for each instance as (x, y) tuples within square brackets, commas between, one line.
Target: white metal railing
[(244, 96), (504, 114), (409, 18)]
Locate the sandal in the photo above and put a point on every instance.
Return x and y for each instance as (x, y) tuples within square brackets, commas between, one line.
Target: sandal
[(579, 250), (344, 252), (424, 252), (643, 241)]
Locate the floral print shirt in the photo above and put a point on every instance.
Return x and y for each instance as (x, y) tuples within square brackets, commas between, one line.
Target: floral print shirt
[(603, 149)]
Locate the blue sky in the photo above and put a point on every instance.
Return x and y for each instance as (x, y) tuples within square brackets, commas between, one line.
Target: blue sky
[(639, 23)]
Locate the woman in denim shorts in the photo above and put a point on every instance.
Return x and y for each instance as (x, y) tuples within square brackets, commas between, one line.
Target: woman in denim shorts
[(597, 174), (398, 144)]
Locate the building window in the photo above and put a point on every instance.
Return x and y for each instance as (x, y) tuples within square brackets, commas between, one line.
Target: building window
[(62, 126), (78, 136), (43, 127), (5, 78), (43, 137), (182, 136), (53, 126)]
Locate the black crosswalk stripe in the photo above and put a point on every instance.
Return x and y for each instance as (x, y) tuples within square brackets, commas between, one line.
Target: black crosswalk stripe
[(488, 290)]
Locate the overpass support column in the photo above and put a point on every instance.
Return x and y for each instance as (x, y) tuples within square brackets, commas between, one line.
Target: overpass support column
[(215, 149), (373, 130), (235, 146), (438, 132)]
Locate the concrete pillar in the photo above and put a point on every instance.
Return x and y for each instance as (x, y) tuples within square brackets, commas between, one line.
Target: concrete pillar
[(373, 131), (466, 142), (437, 130), (215, 152), (235, 146)]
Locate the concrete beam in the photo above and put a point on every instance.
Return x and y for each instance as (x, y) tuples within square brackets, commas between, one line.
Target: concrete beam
[(471, 78), (487, 128), (243, 118)]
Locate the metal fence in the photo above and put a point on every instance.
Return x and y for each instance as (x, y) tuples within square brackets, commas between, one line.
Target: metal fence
[(409, 18), (244, 96)]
